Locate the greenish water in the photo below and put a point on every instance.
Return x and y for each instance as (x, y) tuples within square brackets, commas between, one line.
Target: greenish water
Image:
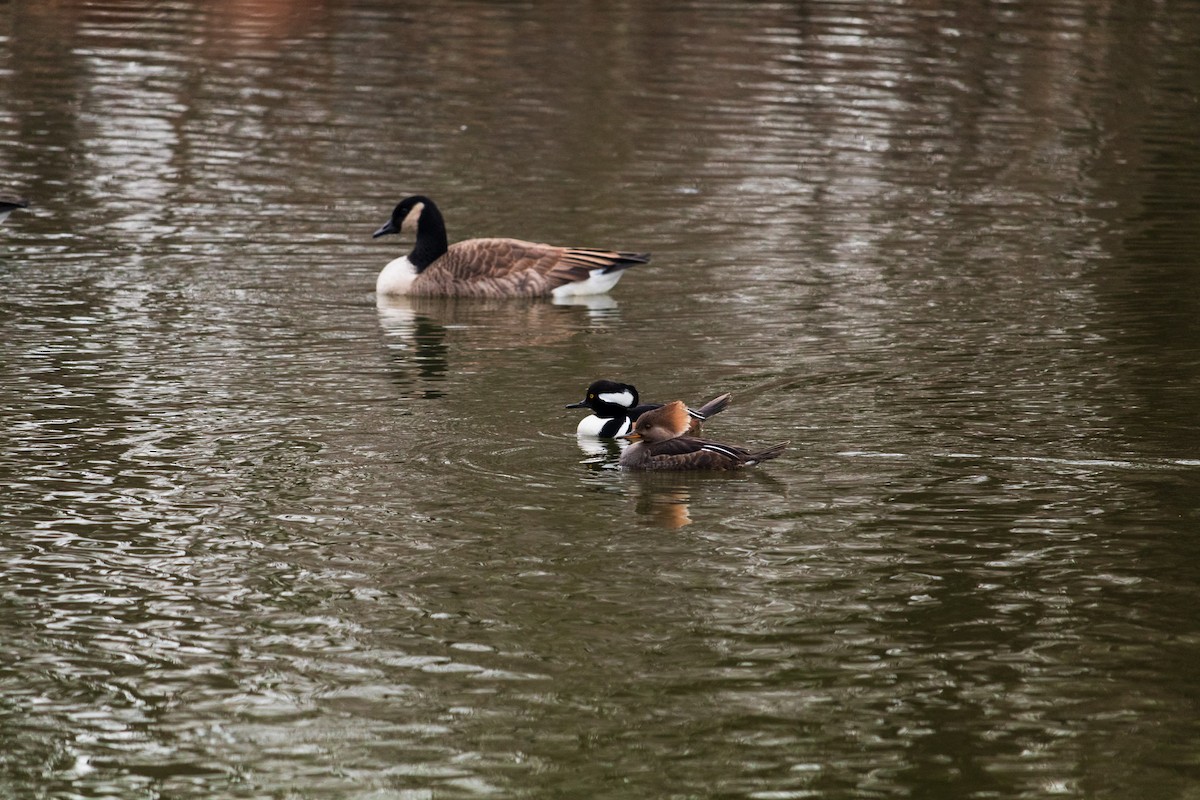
[(262, 536)]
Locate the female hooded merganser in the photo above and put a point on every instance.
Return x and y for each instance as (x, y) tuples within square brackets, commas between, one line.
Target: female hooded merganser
[(615, 408), (9, 205), (491, 267), (660, 442)]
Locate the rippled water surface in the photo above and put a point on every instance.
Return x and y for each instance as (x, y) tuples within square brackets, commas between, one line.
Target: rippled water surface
[(262, 536)]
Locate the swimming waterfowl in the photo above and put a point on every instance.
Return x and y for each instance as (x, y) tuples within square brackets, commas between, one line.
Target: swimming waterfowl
[(660, 442), (491, 267), (615, 407), (9, 205)]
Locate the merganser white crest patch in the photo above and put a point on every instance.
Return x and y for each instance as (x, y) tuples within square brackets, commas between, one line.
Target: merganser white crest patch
[(624, 398)]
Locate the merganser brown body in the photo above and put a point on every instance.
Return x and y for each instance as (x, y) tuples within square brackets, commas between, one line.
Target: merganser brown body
[(660, 441)]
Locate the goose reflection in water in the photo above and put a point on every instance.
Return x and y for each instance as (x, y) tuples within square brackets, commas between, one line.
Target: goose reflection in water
[(428, 335), (496, 324)]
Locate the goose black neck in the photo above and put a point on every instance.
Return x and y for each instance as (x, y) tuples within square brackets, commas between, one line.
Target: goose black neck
[(431, 243)]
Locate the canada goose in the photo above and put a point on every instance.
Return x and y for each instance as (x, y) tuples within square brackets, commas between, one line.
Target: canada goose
[(491, 267)]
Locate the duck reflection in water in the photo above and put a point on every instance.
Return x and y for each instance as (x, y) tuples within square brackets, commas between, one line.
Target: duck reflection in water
[(665, 498), (662, 500), (603, 453)]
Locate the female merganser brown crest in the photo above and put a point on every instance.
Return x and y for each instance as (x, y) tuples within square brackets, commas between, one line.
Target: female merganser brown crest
[(491, 267), (660, 442), (615, 408)]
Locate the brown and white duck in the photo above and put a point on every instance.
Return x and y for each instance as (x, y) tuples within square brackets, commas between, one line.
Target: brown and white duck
[(491, 267), (660, 442)]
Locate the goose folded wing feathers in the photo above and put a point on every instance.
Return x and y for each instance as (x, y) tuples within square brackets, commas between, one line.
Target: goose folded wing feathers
[(502, 266)]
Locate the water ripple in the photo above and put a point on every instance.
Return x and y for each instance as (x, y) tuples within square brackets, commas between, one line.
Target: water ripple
[(262, 531)]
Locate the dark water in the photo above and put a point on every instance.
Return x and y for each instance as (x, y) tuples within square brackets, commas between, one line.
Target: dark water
[(264, 538)]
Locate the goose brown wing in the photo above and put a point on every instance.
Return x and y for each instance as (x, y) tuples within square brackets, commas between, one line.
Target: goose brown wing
[(512, 267)]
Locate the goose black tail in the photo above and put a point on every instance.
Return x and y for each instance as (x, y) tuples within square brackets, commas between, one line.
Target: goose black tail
[(627, 260)]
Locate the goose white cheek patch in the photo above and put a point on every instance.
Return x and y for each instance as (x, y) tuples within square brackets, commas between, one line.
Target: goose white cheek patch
[(414, 216)]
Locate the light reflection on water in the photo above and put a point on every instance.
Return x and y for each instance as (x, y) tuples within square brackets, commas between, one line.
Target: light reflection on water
[(265, 535)]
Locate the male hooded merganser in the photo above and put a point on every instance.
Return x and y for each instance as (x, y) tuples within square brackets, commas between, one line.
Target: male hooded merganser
[(615, 407), (491, 267), (9, 205), (660, 442)]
